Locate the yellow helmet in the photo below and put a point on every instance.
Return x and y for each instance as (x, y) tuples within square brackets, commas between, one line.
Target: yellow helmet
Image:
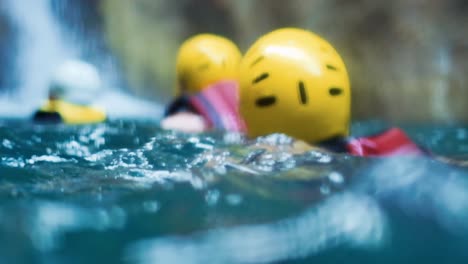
[(294, 82), (206, 59)]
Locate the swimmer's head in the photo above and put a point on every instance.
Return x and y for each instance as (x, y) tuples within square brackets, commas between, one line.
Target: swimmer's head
[(294, 82), (76, 82), (205, 59)]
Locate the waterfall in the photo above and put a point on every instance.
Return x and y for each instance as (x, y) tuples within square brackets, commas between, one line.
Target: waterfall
[(441, 109), (43, 44)]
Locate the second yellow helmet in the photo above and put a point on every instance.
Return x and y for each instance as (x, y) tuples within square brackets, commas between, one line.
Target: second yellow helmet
[(294, 82), (205, 59)]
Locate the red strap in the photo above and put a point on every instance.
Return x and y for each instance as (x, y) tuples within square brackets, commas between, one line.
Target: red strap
[(392, 142)]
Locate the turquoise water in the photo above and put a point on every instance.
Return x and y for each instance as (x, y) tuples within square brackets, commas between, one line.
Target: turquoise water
[(128, 192)]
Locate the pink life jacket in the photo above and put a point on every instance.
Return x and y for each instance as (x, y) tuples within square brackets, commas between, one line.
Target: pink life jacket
[(391, 142), (218, 104)]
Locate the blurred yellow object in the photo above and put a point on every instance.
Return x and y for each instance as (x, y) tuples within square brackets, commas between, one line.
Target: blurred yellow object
[(73, 113), (73, 88), (294, 82), (205, 59)]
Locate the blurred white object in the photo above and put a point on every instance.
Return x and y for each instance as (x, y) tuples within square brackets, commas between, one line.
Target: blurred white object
[(185, 122), (76, 82)]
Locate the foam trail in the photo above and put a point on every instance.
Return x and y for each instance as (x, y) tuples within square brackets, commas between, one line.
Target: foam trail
[(53, 220), (423, 188), (348, 219)]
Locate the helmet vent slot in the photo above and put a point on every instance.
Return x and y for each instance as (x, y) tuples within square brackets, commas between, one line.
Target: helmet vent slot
[(335, 91), (261, 77), (302, 93), (331, 67), (204, 66), (256, 61)]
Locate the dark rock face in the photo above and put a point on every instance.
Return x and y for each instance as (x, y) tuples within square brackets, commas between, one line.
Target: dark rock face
[(406, 59)]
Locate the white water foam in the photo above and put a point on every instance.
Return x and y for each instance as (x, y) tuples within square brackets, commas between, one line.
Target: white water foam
[(349, 219)]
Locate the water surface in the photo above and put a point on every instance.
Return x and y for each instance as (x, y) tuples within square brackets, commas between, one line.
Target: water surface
[(129, 192)]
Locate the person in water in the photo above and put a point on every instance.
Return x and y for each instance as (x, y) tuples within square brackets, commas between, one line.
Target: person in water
[(292, 81), (72, 90), (207, 86)]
